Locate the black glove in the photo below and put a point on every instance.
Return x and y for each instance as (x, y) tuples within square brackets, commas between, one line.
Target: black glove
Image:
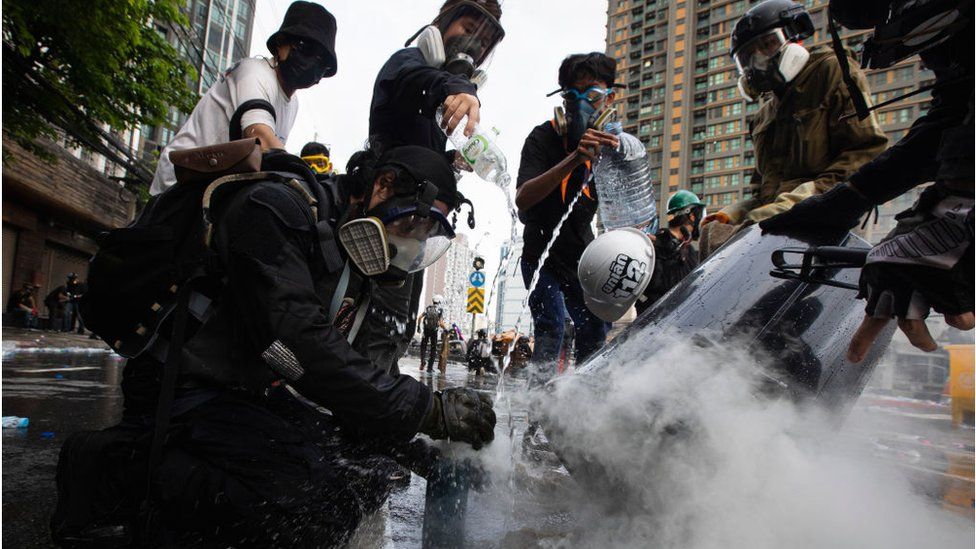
[(461, 414), (838, 209), (926, 261)]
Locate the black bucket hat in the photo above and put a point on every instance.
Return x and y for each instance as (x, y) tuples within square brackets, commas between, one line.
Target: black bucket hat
[(312, 22)]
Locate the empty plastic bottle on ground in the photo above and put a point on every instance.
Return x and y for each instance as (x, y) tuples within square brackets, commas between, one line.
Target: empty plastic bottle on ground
[(14, 422), (623, 184), (480, 151)]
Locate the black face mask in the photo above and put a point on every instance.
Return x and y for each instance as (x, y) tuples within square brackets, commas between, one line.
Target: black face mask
[(579, 116), (460, 53), (300, 71)]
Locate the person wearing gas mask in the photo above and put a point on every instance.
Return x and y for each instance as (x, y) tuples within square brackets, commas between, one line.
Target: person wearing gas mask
[(249, 459), (675, 253), (316, 155), (926, 262), (556, 163), (803, 144), (255, 97), (442, 70)]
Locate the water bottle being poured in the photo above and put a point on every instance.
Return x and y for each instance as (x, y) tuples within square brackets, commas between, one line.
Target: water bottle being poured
[(480, 151), (623, 184)]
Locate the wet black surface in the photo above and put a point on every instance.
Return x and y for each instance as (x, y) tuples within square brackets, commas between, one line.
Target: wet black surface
[(64, 392), (61, 392)]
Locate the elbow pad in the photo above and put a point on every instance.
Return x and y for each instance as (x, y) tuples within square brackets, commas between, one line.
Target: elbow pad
[(236, 131)]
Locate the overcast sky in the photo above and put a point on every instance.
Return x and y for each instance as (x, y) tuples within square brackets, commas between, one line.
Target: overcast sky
[(539, 34)]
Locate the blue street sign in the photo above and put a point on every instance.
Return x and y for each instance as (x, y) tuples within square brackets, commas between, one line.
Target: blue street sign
[(477, 279)]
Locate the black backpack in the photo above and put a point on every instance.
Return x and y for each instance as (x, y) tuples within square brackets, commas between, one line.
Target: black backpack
[(135, 278), (432, 318)]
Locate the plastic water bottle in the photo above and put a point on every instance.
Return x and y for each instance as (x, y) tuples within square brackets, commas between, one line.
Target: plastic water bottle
[(14, 422), (623, 184), (480, 151)]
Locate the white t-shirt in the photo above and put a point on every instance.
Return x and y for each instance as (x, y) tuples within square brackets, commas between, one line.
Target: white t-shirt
[(209, 123)]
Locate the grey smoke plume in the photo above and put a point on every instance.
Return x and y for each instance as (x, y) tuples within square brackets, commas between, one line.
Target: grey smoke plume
[(685, 453)]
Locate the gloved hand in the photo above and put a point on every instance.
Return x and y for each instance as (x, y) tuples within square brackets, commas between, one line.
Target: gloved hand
[(461, 414), (927, 262), (717, 217), (838, 209)]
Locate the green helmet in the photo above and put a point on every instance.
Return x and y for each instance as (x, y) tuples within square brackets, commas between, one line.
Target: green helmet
[(681, 200)]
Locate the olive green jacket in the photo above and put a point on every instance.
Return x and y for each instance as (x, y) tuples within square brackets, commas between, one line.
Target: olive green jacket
[(802, 147)]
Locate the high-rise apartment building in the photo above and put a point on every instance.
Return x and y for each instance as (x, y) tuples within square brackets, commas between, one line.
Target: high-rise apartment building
[(217, 36), (682, 100)]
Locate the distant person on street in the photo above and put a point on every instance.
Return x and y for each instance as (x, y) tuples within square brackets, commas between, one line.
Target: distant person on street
[(56, 302), (479, 354), (255, 97), (22, 305), (74, 289), (431, 322)]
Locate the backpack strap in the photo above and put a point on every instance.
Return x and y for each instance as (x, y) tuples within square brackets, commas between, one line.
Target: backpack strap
[(167, 391)]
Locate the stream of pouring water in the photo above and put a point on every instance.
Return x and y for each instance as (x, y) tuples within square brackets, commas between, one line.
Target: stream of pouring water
[(502, 399)]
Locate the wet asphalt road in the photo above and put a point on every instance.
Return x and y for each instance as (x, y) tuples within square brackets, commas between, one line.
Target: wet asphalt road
[(64, 392)]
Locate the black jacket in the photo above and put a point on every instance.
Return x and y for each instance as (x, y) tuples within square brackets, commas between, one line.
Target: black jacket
[(939, 144), (672, 262), (281, 276), (406, 95)]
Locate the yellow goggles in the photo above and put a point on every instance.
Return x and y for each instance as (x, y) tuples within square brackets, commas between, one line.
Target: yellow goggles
[(319, 163)]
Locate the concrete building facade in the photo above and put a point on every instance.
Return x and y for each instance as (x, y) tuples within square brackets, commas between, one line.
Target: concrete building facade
[(682, 100), (52, 210), (448, 277)]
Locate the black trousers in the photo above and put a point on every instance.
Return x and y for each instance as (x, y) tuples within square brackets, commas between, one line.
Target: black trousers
[(429, 344), (234, 473)]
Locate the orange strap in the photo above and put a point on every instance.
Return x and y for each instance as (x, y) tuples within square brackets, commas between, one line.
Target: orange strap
[(586, 188)]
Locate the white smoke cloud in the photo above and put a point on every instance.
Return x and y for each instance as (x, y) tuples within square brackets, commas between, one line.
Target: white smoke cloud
[(695, 457)]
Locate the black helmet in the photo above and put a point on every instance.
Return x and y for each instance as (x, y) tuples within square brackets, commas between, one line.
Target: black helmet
[(859, 14), (786, 14)]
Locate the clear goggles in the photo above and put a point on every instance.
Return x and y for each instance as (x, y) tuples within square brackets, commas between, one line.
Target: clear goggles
[(319, 163), (416, 241), (758, 53)]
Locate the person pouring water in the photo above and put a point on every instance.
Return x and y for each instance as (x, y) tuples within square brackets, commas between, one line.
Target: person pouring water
[(555, 167)]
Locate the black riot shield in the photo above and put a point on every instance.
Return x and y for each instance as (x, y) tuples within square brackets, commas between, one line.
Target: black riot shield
[(798, 324)]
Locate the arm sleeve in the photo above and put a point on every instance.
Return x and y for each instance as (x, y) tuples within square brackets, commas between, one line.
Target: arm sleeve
[(912, 160), (252, 81), (853, 142), (266, 245), (415, 85)]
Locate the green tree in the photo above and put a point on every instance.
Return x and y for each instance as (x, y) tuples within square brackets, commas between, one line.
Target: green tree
[(78, 65)]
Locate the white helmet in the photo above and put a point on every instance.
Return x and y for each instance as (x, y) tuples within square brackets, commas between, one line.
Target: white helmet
[(438, 299), (614, 271)]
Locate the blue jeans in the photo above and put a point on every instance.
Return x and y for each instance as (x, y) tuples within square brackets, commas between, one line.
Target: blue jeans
[(549, 303)]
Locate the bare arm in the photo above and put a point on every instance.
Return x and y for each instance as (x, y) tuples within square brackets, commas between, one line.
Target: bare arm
[(266, 135), (534, 190)]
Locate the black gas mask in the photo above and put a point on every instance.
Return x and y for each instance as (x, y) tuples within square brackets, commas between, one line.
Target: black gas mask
[(399, 236), (305, 65), (460, 53)]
